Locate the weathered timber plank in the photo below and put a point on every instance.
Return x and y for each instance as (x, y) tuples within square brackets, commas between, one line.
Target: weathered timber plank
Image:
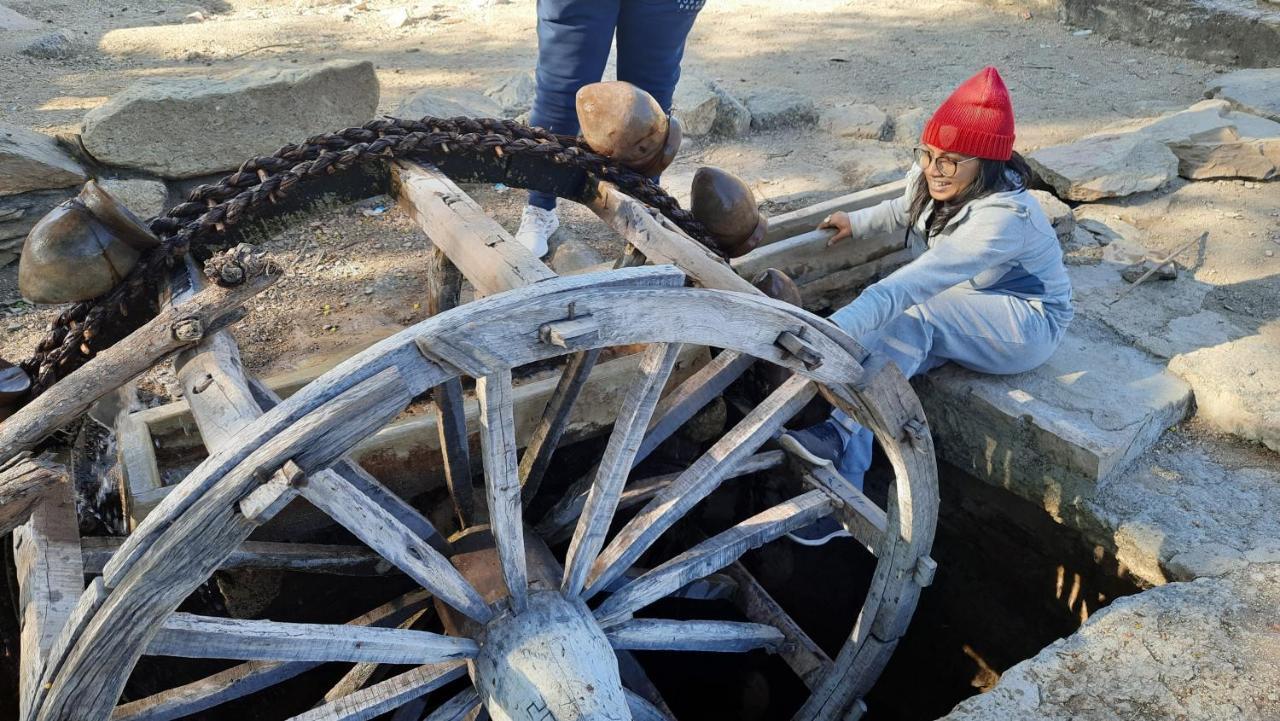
[(444, 285), (677, 407), (191, 636), (147, 586), (616, 463), (395, 541), (359, 674), (714, 554), (555, 419), (212, 308), (807, 660), (456, 708), (860, 515), (323, 558), (486, 254), (23, 485), (250, 677), (502, 480), (805, 219), (652, 634), (46, 554), (382, 697), (643, 709), (700, 479), (661, 241)]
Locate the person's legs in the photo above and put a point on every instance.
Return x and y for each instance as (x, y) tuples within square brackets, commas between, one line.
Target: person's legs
[(651, 39), (574, 37)]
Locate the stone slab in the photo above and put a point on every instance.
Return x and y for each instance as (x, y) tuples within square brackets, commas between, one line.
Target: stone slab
[(775, 108), (184, 127), (1207, 650), (1054, 434), (13, 21), (1253, 90), (33, 161), (1242, 33), (1105, 166), (1237, 385), (1192, 506)]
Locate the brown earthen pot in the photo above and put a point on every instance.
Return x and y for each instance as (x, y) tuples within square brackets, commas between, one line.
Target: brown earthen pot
[(727, 207), (81, 249), (626, 124)]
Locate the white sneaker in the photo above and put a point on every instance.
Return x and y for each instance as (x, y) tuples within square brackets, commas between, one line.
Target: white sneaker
[(537, 225)]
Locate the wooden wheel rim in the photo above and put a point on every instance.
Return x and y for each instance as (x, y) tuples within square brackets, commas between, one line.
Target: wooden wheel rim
[(200, 522)]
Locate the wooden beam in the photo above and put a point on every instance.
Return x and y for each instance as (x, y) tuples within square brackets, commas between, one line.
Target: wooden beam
[(391, 538), (444, 287), (359, 674), (46, 554), (661, 241), (652, 634), (335, 560), (805, 219), (714, 554), (250, 677), (616, 463), (700, 479), (368, 703), (456, 708), (191, 636), (863, 519), (677, 407), (172, 329), (486, 254), (24, 482)]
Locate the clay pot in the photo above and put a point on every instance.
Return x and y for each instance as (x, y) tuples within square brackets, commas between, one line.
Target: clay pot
[(14, 384), (778, 285), (81, 249), (727, 207), (625, 123)]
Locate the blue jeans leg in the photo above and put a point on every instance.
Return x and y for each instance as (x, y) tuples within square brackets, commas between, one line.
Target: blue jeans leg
[(651, 40), (982, 331), (574, 37)]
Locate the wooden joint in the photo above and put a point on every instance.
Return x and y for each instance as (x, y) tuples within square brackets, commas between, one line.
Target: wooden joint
[(915, 432), (273, 492), (796, 346), (188, 330), (926, 567), (572, 332)]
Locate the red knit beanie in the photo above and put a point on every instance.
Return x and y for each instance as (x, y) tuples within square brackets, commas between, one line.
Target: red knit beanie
[(976, 120)]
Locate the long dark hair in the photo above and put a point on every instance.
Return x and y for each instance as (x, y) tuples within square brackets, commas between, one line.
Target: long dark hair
[(994, 176)]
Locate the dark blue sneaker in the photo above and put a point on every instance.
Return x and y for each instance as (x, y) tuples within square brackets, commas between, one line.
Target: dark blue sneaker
[(818, 445)]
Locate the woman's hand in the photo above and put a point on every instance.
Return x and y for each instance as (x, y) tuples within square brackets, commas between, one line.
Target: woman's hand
[(839, 221)]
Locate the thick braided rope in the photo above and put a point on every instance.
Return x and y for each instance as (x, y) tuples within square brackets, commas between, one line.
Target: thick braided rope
[(88, 327)]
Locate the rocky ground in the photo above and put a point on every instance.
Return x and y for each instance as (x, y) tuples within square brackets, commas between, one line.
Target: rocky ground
[(804, 102)]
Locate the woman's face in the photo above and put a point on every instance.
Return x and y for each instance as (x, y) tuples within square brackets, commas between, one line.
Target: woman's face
[(943, 188)]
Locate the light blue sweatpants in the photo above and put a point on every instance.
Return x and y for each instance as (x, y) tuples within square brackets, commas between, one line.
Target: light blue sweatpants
[(980, 330)]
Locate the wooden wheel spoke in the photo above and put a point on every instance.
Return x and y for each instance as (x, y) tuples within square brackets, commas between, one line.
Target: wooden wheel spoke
[(802, 654), (337, 560), (651, 634), (502, 481), (642, 709), (360, 673), (615, 466), (382, 697), (714, 554), (390, 537), (456, 708), (862, 517), (699, 480), (191, 636), (246, 678), (691, 396), (546, 435), (639, 491), (451, 420)]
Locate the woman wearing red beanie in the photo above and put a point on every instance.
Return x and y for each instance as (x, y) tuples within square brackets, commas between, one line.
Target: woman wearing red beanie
[(987, 289)]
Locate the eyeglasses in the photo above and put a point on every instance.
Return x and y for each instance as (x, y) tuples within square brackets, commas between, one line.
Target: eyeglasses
[(946, 166)]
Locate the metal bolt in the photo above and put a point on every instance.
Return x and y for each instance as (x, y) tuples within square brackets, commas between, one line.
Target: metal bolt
[(188, 330)]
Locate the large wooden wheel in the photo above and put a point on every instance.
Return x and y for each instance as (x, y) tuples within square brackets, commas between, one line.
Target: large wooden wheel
[(537, 634)]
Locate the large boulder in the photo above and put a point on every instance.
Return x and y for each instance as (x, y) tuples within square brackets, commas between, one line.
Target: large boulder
[(773, 108), (184, 127), (1105, 166), (33, 161), (442, 103), (1255, 90), (57, 45), (144, 197), (909, 126), (696, 104), (1205, 650), (514, 93), (733, 119), (1235, 385), (1213, 141), (856, 120)]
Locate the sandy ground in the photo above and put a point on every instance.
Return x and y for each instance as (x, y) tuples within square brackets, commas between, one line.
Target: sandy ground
[(365, 274)]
